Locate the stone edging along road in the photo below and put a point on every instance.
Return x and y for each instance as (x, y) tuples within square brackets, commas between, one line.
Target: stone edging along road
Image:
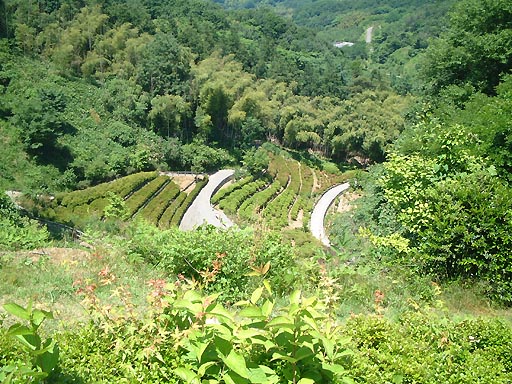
[(201, 211), (318, 215)]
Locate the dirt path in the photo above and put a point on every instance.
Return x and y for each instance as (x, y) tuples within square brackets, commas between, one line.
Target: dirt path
[(320, 210), (296, 223), (369, 32)]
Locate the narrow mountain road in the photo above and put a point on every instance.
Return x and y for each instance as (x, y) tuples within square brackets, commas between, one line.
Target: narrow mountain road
[(201, 211), (369, 32), (318, 216)]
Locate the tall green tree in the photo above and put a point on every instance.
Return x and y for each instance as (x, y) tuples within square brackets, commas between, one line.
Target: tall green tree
[(476, 49), (164, 66)]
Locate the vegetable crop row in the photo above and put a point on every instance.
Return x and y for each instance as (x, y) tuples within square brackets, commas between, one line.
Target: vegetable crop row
[(233, 201), (121, 187), (222, 193), (165, 219), (180, 212), (160, 202), (137, 200), (251, 206)]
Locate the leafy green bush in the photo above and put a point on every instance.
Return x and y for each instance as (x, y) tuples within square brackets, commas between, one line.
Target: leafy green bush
[(222, 193), (140, 197), (453, 225), (250, 207), (121, 187), (157, 206), (170, 211), (188, 335), (17, 232), (232, 202), (221, 260), (425, 348)]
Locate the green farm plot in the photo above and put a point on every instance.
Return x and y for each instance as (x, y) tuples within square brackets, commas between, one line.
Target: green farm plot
[(137, 200), (287, 188), (165, 220), (180, 211), (234, 200), (229, 189), (121, 187), (157, 206), (77, 206), (157, 199)]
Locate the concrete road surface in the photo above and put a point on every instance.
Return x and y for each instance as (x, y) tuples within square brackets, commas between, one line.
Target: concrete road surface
[(201, 211), (318, 215)]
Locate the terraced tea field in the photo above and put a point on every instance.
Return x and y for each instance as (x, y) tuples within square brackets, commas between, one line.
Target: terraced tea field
[(157, 198), (282, 197)]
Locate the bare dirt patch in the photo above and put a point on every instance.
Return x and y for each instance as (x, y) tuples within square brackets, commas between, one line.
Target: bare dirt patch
[(186, 182), (299, 222), (345, 201), (60, 256)]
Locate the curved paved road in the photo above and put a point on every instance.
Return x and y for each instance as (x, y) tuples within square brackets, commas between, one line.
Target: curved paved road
[(201, 211), (318, 215)]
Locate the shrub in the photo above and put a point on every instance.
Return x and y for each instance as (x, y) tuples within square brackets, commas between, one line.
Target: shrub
[(157, 206), (222, 193), (220, 259), (140, 197), (425, 348), (232, 202), (165, 219)]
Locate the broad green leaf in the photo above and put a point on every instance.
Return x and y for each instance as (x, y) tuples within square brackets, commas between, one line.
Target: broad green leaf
[(186, 375), (225, 332), (194, 307), (220, 312), (303, 353), (281, 322), (334, 368), (39, 316), (245, 334), (266, 284), (192, 296), (251, 312), (223, 346), (280, 356), (204, 367), (231, 377), (329, 347), (267, 307), (306, 381), (16, 310), (49, 359), (258, 375), (295, 297), (199, 349), (19, 329), (268, 344), (236, 362), (256, 295)]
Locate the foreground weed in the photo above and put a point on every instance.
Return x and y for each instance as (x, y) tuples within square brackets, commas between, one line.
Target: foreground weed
[(44, 354)]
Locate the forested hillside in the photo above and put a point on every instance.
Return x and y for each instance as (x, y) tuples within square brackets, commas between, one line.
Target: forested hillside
[(139, 83), (114, 116)]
